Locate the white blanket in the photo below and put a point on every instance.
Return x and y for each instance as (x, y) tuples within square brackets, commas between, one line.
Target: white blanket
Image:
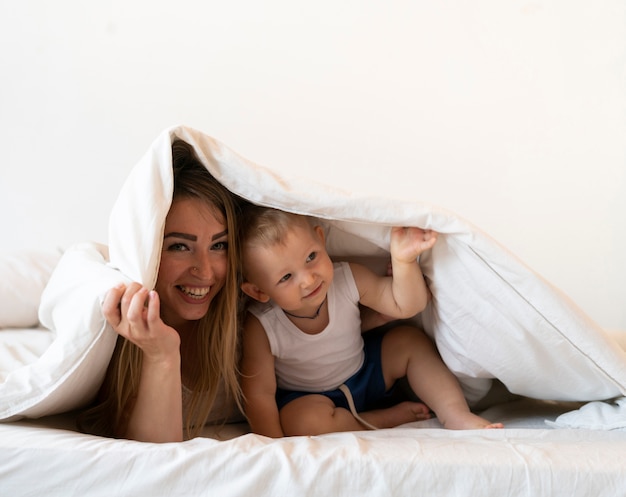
[(491, 316)]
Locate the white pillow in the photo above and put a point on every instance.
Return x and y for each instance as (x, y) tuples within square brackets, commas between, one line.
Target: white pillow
[(69, 372), (23, 277), (493, 317), (21, 346)]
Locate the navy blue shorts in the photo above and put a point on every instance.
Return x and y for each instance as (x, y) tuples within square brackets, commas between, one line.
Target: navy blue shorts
[(367, 385)]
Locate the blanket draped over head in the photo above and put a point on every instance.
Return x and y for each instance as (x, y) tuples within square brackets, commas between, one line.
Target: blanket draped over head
[(491, 316)]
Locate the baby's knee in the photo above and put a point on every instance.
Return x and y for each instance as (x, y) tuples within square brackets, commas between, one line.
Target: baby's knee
[(301, 417), (406, 337)]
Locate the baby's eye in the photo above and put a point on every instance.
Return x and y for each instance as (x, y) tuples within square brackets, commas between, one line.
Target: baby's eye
[(284, 278), (311, 256)]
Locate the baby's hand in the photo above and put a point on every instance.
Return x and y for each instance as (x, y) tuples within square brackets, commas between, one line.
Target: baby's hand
[(408, 243)]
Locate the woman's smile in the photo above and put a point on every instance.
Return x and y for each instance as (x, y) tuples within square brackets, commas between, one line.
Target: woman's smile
[(197, 294)]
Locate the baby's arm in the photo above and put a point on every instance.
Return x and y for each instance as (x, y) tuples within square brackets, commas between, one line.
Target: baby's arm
[(405, 293), (258, 381), (407, 244)]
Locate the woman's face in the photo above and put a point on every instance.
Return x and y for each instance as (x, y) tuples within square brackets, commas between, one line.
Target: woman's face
[(193, 261)]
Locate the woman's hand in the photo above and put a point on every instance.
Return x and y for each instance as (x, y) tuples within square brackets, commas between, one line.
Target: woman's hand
[(134, 313), (155, 414)]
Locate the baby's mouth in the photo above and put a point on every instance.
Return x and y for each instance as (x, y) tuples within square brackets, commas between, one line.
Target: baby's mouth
[(315, 292)]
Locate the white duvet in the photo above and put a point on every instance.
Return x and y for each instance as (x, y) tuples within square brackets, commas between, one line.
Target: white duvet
[(491, 316)]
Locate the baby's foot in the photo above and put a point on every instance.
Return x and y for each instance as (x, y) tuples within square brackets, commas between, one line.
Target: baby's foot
[(404, 412), (493, 425), (469, 421), (411, 411)]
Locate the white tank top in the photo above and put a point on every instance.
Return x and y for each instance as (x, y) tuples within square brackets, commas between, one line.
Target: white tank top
[(315, 363)]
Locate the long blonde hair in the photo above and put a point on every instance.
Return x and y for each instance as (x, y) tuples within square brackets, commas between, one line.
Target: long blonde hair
[(217, 337)]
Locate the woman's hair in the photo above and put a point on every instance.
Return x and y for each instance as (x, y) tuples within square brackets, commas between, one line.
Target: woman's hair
[(217, 336)]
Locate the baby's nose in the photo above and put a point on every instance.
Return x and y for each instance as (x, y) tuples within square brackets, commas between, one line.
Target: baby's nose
[(308, 278)]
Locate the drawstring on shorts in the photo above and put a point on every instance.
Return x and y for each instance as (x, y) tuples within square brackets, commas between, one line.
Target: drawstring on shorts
[(346, 391)]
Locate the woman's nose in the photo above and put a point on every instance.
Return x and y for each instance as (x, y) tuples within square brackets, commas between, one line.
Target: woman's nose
[(202, 268)]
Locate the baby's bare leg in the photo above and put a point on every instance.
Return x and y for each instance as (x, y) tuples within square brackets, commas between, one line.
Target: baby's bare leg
[(408, 351), (317, 414), (314, 415)]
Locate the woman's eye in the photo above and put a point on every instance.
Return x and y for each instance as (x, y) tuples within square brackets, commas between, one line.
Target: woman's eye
[(311, 256), (177, 247), (220, 246)]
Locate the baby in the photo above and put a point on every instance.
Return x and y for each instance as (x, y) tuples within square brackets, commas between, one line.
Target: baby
[(306, 367)]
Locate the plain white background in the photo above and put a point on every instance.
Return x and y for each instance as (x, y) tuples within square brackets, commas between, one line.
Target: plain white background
[(510, 114)]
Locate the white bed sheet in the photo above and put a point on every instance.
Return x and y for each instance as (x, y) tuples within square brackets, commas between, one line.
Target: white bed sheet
[(46, 457)]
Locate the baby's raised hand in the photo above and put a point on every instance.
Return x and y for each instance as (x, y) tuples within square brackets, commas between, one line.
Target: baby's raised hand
[(407, 243)]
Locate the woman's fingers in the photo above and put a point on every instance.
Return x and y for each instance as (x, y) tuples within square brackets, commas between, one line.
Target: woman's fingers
[(111, 305), (128, 296), (136, 311), (124, 308), (154, 308)]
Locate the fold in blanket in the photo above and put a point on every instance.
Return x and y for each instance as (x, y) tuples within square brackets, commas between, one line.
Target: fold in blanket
[(491, 316), (609, 415)]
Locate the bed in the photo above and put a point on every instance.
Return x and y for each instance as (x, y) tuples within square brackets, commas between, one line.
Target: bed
[(524, 353)]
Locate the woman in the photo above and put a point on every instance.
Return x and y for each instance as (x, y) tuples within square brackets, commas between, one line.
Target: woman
[(177, 346)]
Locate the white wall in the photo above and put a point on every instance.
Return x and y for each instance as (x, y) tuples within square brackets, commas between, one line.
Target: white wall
[(511, 114)]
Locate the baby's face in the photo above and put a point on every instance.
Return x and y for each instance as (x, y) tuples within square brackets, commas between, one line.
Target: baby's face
[(296, 273)]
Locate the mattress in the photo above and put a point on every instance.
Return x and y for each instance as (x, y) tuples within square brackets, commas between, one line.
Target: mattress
[(47, 457)]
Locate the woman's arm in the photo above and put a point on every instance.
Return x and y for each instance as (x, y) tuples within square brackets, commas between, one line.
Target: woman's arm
[(155, 414)]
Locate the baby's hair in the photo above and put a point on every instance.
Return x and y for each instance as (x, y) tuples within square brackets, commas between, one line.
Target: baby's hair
[(264, 226)]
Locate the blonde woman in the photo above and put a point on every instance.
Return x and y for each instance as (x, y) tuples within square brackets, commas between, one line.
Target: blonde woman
[(176, 354)]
